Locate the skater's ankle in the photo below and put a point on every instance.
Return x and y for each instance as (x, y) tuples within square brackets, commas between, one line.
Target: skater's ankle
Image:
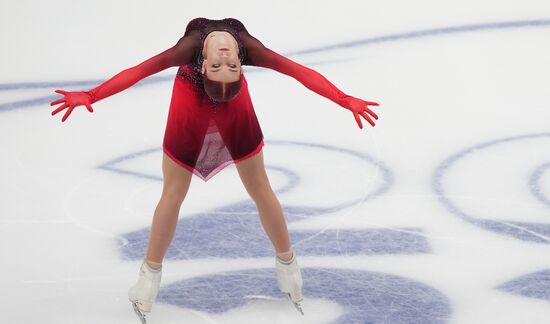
[(286, 257), (153, 265)]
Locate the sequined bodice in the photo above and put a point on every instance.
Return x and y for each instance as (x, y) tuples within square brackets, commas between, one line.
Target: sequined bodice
[(206, 26)]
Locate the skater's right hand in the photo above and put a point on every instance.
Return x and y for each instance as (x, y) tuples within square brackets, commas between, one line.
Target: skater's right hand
[(71, 100)]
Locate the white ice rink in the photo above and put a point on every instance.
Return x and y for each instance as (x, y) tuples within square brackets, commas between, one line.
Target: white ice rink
[(439, 214)]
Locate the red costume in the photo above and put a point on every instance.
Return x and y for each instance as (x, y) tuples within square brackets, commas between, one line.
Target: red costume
[(201, 134)]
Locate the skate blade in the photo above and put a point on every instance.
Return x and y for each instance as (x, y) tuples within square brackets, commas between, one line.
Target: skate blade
[(139, 313), (296, 305)]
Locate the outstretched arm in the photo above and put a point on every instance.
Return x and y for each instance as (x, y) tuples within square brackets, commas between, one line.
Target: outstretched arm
[(259, 55), (181, 53)]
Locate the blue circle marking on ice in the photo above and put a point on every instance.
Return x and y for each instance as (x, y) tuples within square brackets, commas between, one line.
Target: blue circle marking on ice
[(36, 102), (429, 33), (533, 285), (528, 231), (235, 231), (366, 297), (535, 184)]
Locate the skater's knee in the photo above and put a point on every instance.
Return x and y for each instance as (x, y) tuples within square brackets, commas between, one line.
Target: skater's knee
[(173, 196), (174, 191), (261, 193)]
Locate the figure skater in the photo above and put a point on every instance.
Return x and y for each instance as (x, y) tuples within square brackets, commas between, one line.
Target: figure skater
[(211, 123)]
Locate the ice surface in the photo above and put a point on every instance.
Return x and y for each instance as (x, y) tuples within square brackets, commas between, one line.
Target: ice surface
[(439, 214)]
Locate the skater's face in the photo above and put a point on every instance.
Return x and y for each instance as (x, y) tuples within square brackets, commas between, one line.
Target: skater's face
[(221, 57)]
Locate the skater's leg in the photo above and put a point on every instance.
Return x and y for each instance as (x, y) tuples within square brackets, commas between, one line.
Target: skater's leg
[(176, 184), (253, 175), (143, 294)]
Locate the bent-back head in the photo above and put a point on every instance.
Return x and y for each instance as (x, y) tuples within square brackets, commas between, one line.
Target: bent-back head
[(221, 67)]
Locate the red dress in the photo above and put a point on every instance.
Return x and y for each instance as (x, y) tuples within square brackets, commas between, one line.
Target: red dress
[(203, 135)]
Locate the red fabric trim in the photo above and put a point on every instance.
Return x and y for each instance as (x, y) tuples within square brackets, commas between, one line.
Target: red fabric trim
[(189, 168), (256, 150), (219, 168)]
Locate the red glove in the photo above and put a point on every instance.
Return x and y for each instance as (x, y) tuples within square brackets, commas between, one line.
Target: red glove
[(359, 107), (72, 100)]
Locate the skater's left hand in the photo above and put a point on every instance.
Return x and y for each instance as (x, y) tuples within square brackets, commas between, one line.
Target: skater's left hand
[(360, 107)]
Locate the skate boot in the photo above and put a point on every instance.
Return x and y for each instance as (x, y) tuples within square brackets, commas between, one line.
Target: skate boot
[(289, 280), (142, 295)]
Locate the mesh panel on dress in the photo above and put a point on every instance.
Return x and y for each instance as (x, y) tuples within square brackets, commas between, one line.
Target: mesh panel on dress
[(214, 155)]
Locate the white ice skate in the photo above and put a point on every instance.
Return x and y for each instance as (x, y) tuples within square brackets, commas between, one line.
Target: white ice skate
[(289, 280), (144, 293)]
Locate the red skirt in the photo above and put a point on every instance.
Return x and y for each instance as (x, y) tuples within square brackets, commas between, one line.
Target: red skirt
[(205, 138)]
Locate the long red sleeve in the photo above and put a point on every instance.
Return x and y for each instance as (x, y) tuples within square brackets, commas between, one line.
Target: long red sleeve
[(180, 54), (259, 55)]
